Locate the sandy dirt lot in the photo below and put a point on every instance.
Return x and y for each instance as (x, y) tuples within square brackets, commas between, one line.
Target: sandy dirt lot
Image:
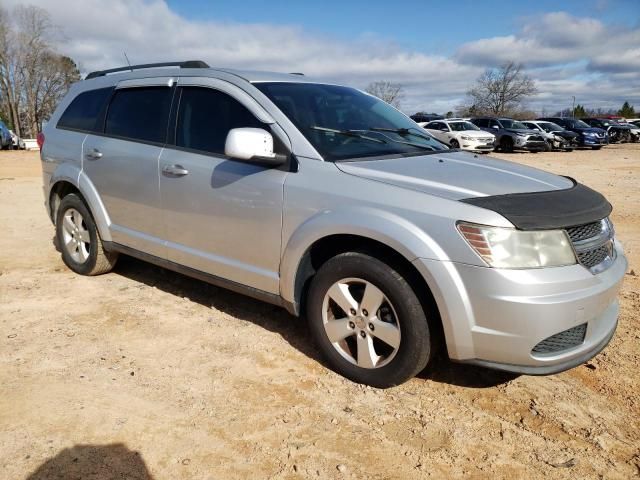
[(144, 373)]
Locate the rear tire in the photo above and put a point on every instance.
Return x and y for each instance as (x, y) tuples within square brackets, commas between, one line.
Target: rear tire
[(351, 338), (79, 240)]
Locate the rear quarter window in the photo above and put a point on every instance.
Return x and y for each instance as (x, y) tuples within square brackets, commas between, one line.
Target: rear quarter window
[(84, 111)]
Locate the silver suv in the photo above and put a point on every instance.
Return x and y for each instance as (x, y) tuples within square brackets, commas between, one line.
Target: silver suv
[(329, 202)]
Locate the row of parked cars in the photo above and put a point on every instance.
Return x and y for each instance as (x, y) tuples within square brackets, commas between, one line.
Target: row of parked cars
[(8, 139), (484, 134)]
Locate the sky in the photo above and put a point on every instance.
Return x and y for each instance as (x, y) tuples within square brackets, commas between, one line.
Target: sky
[(589, 49)]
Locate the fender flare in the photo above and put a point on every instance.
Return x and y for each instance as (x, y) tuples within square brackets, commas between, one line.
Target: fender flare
[(384, 227)]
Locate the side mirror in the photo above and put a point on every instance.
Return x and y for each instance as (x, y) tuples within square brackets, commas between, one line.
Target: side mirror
[(252, 145), (495, 126)]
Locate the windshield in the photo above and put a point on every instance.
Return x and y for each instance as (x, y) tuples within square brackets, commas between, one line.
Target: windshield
[(578, 124), (342, 122), (550, 127), (462, 126), (513, 124)]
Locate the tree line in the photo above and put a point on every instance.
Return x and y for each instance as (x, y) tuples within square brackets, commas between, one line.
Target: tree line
[(33, 76), (500, 91)]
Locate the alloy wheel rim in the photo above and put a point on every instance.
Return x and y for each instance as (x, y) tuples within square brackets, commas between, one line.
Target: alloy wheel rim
[(361, 323), (75, 236)]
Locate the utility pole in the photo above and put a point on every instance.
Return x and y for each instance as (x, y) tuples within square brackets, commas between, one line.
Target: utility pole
[(573, 107)]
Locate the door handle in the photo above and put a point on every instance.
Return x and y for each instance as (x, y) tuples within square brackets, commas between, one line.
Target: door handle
[(177, 170), (94, 154)]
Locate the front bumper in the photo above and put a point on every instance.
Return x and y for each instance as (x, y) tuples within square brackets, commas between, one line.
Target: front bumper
[(494, 317), (530, 145), (475, 146), (593, 141)]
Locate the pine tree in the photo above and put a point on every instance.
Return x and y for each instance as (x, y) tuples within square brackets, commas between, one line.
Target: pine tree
[(627, 111), (579, 111)]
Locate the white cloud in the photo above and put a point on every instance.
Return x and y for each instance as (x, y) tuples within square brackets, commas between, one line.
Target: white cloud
[(602, 63)]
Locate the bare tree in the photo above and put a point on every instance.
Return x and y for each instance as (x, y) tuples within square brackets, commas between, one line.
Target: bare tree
[(33, 78), (389, 92), (501, 90)]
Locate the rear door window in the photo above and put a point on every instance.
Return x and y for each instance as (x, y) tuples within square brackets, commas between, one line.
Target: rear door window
[(205, 117), (140, 113), (84, 111)]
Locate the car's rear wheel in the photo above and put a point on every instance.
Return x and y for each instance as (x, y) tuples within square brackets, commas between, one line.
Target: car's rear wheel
[(454, 143), (367, 321), (596, 148), (506, 144), (79, 240)]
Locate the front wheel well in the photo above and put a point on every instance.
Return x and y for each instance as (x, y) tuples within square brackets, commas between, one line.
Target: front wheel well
[(328, 247), (60, 190)]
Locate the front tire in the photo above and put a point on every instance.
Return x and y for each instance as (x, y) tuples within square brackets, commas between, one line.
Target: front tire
[(506, 144), (367, 321), (454, 144), (79, 241)]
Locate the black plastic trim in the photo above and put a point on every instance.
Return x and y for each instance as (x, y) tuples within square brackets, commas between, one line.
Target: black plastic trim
[(548, 210)]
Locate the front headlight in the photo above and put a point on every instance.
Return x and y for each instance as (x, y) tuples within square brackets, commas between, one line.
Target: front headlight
[(590, 134), (465, 137), (511, 248)]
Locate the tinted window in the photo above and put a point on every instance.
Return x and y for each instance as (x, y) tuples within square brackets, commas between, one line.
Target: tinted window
[(84, 110), (494, 123), (206, 116), (481, 122), (140, 114)]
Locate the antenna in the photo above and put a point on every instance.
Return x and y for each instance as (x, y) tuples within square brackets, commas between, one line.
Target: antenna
[(127, 59)]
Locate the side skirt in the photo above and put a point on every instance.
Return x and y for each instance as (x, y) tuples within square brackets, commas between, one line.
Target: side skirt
[(202, 276)]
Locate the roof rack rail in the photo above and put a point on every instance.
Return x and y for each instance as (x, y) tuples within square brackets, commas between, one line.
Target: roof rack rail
[(296, 73), (131, 68)]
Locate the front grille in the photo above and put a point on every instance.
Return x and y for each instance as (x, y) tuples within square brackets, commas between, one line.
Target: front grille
[(536, 138), (487, 140), (583, 232), (594, 257), (562, 341), (593, 243)]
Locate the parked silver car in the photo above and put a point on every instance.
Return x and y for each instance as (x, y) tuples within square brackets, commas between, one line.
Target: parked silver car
[(329, 202)]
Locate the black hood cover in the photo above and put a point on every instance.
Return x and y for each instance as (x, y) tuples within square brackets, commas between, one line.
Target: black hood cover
[(548, 210)]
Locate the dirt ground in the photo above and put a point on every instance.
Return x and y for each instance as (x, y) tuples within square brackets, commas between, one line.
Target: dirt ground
[(144, 373)]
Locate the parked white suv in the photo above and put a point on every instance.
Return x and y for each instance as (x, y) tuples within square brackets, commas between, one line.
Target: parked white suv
[(458, 133)]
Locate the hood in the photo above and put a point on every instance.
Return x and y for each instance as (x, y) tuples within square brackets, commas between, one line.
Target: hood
[(565, 133), (527, 131), (475, 133), (590, 130), (456, 175)]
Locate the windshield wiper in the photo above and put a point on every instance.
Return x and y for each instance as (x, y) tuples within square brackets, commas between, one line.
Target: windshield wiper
[(348, 133), (401, 131), (405, 131)]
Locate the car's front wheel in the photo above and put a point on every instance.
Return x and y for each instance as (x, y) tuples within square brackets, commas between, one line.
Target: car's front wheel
[(367, 321), (454, 144), (78, 239)]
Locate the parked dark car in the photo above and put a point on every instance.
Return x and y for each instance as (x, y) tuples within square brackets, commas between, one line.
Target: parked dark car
[(425, 117), (6, 141), (588, 136), (617, 132), (511, 134)]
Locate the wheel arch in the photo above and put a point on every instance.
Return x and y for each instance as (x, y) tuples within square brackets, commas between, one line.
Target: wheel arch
[(63, 184), (327, 247)]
